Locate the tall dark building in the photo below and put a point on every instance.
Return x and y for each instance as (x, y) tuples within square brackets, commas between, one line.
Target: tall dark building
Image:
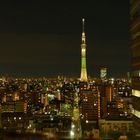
[(90, 106), (135, 45), (89, 101)]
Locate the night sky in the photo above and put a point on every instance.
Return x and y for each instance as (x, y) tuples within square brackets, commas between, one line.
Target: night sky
[(40, 38)]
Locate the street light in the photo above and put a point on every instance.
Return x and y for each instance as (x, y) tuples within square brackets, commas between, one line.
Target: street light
[(73, 126), (71, 133)]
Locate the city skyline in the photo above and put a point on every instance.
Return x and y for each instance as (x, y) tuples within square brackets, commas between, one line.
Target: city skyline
[(43, 39)]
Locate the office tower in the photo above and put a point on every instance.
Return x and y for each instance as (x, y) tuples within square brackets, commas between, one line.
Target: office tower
[(103, 73), (135, 46), (90, 104), (89, 108), (107, 92), (83, 56)]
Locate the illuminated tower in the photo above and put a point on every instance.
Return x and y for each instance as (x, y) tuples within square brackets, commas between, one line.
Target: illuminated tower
[(103, 73), (83, 56)]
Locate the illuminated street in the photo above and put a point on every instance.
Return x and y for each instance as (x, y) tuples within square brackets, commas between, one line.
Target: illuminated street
[(76, 127)]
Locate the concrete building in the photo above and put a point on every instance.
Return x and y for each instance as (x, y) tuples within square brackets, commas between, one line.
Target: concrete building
[(110, 127), (14, 106), (135, 46), (89, 102)]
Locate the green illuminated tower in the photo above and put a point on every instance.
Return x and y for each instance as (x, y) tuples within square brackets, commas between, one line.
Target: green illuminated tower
[(83, 56)]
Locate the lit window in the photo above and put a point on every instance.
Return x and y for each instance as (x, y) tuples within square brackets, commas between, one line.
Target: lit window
[(136, 93), (136, 113), (71, 133), (136, 73)]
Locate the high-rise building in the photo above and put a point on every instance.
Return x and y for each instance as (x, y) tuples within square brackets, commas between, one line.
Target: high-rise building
[(135, 35), (103, 73), (90, 106), (83, 77)]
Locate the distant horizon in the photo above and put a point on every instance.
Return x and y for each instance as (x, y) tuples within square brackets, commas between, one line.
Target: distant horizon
[(57, 75)]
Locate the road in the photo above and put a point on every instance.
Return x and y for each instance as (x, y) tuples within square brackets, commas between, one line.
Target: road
[(76, 127)]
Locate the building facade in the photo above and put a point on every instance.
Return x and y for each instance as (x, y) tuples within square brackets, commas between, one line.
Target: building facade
[(103, 73), (135, 46), (89, 102)]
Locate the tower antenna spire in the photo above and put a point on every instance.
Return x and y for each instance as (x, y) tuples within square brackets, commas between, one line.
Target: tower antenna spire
[(83, 21)]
